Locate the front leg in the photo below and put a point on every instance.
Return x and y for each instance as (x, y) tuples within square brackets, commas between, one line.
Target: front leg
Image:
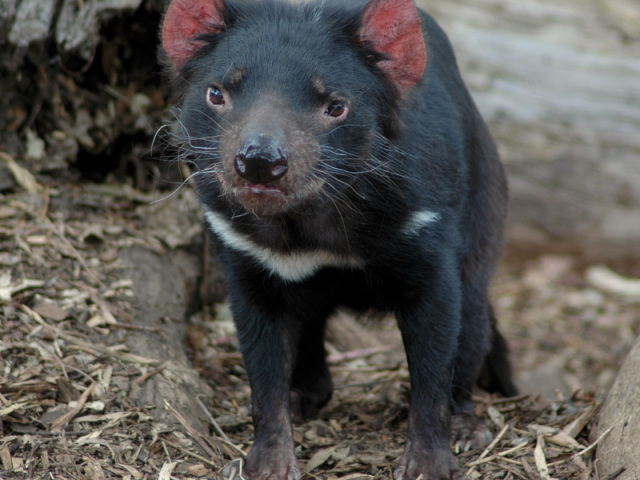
[(430, 323), (311, 385), (266, 350)]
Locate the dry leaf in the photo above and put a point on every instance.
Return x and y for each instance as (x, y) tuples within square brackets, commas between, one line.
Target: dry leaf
[(23, 177), (50, 310), (199, 470), (541, 461), (5, 457), (496, 417), (94, 470), (166, 471), (135, 473), (101, 319), (319, 458)]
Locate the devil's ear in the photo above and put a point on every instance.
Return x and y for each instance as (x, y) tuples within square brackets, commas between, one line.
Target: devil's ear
[(184, 22), (392, 27)]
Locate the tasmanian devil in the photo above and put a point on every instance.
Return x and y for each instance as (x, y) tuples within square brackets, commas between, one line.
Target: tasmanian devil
[(341, 162)]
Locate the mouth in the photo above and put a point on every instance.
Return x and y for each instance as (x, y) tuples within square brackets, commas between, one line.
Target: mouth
[(262, 200), (260, 189)]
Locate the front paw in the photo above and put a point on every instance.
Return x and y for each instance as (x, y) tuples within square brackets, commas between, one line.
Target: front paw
[(427, 464), (469, 432)]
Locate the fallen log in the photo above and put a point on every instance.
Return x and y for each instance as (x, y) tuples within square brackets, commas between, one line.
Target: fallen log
[(162, 287), (618, 449), (557, 81)]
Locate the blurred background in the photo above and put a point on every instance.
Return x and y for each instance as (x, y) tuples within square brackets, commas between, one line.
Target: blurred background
[(559, 83)]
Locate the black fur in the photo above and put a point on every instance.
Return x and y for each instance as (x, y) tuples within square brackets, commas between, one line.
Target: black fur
[(427, 151)]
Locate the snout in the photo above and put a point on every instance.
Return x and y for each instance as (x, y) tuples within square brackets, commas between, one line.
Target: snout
[(268, 155), (261, 159)]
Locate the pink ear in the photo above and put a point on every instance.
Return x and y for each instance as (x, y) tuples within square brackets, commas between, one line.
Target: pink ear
[(392, 27), (184, 21)]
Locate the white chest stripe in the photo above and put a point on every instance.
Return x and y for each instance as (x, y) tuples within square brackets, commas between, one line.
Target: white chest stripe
[(293, 266), (418, 220)]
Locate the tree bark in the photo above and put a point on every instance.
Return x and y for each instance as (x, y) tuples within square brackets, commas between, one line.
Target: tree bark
[(163, 286), (621, 413)]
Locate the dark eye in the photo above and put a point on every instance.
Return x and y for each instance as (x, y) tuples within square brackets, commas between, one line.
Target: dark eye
[(336, 109), (215, 96)]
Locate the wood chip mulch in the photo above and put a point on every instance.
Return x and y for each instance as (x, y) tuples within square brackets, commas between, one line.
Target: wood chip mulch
[(65, 370)]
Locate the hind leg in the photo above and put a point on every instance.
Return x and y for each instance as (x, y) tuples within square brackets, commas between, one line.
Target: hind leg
[(311, 385), (497, 377), (481, 348), (468, 431)]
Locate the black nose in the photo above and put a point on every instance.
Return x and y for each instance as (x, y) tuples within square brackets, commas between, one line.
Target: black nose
[(261, 159)]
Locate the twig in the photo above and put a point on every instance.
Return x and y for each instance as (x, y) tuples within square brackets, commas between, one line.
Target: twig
[(584, 450), (190, 430), (577, 425), (234, 447), (494, 442), (143, 378), (63, 367), (67, 417), (213, 420), (490, 447), (166, 451), (499, 456), (515, 473), (190, 453)]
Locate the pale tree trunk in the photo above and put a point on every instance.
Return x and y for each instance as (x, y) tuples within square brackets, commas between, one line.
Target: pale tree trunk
[(620, 423), (559, 83)]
